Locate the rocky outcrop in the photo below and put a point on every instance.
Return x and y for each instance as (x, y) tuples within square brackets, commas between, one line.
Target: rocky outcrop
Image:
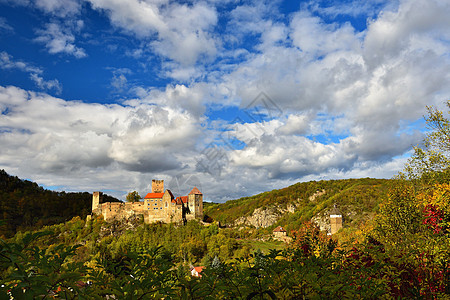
[(267, 216), (117, 227), (313, 197), (323, 221)]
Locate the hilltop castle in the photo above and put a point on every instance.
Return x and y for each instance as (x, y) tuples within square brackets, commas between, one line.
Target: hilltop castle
[(158, 206)]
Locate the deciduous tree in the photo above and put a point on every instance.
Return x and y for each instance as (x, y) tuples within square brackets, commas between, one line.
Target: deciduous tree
[(133, 197)]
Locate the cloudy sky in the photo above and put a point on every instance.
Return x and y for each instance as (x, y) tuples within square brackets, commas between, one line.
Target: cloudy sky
[(237, 97)]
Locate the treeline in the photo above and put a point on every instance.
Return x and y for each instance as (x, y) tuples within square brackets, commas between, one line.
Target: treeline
[(25, 206)]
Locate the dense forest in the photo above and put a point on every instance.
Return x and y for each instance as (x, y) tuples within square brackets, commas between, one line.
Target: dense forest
[(24, 205), (402, 251)]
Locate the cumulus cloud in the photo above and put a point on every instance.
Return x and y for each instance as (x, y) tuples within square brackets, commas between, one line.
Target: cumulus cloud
[(43, 134), (59, 39), (180, 32)]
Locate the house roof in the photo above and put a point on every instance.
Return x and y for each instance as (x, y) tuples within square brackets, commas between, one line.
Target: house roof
[(335, 210), (154, 195), (182, 199), (195, 191), (199, 269), (279, 229)]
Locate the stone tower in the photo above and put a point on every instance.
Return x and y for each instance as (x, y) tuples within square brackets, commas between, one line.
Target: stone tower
[(195, 204), (157, 186), (335, 220), (96, 200)]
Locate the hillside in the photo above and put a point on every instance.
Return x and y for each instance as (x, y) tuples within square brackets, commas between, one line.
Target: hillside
[(357, 199), (24, 205)]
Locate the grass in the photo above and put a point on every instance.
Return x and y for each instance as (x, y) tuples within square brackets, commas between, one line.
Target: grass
[(265, 246)]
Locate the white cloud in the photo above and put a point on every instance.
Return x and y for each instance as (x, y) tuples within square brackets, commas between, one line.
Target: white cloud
[(311, 35), (179, 32), (59, 39), (8, 62), (399, 32), (352, 8), (4, 26), (46, 84), (60, 8), (40, 132)]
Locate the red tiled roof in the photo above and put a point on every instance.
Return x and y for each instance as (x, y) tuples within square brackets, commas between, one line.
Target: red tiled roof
[(195, 191), (199, 269), (182, 199), (154, 195), (279, 229)]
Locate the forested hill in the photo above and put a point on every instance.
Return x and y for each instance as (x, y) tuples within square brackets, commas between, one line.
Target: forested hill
[(24, 205), (358, 199)]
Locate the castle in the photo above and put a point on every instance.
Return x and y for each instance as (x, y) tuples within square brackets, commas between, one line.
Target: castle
[(158, 206)]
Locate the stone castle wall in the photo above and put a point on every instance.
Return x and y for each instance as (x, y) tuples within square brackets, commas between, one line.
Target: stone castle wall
[(157, 209)]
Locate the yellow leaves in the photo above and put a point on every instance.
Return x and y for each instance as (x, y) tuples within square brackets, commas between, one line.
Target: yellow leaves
[(438, 195)]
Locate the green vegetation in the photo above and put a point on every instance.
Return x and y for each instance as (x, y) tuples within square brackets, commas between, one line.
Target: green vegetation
[(26, 206), (133, 197), (358, 199)]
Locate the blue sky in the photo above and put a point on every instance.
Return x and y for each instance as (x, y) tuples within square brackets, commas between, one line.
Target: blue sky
[(238, 97)]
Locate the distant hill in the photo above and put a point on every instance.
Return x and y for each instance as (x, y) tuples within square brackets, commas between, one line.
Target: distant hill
[(25, 206), (357, 199)]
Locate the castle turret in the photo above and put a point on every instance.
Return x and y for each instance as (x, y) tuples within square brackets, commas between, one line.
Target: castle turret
[(195, 204), (157, 186), (96, 201)]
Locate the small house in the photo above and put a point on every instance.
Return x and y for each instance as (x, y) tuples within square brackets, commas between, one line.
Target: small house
[(196, 271), (279, 233)]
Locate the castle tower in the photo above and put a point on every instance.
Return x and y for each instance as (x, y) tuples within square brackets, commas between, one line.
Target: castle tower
[(96, 200), (195, 204), (157, 186), (335, 220)]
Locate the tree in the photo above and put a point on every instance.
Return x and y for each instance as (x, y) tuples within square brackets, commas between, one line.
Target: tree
[(430, 161), (133, 197)]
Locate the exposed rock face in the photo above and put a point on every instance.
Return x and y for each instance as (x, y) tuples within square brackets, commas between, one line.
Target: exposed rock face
[(265, 217), (322, 220), (317, 194), (117, 227), (260, 218)]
